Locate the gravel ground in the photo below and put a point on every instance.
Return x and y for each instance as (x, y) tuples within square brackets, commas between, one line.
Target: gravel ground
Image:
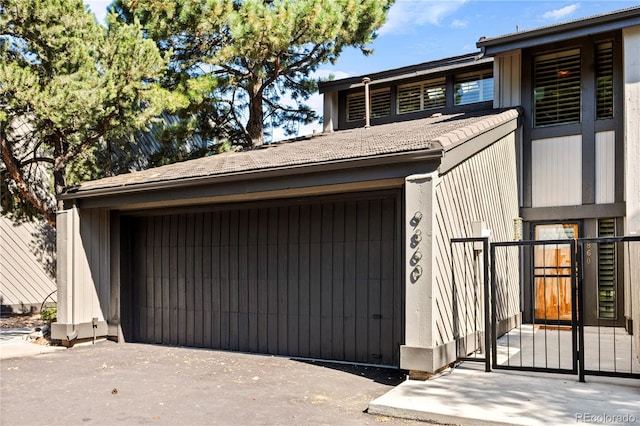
[(21, 321), (112, 383)]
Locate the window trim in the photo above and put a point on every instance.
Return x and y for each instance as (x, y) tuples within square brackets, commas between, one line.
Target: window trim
[(439, 82), (360, 94), (483, 76), (561, 102)]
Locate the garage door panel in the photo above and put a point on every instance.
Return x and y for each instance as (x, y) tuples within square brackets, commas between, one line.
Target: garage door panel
[(311, 280)]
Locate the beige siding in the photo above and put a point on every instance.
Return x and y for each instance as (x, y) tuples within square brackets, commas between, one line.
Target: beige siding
[(27, 264), (556, 171), (506, 80), (84, 282), (483, 188), (605, 167), (631, 43)]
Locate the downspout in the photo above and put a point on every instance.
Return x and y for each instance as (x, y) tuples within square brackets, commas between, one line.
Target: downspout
[(367, 102)]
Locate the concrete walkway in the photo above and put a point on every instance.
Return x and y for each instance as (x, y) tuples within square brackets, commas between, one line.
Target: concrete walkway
[(15, 342), (467, 395)]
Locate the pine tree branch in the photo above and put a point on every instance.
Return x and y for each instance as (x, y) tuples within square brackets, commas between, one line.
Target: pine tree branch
[(33, 160), (16, 175)]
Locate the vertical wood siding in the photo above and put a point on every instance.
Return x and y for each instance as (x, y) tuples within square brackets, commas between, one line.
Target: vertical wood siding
[(556, 171), (507, 86), (27, 264), (91, 266), (483, 188), (605, 167), (315, 280)]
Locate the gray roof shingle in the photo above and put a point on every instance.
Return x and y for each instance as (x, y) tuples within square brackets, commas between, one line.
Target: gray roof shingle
[(439, 132)]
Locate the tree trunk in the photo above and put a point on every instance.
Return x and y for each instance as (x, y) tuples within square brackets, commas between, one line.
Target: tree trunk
[(255, 126), (59, 170), (15, 171)]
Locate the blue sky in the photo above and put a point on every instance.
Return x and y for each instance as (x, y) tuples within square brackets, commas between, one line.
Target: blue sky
[(423, 30)]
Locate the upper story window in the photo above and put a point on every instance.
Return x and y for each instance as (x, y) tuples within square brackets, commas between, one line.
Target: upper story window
[(604, 80), (473, 87), (422, 95), (556, 88), (380, 104)]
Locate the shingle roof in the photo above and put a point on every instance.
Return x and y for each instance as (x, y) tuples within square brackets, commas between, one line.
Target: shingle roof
[(439, 132)]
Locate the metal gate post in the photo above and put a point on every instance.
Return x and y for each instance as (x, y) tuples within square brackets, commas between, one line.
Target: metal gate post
[(487, 305), (578, 313), (494, 330)]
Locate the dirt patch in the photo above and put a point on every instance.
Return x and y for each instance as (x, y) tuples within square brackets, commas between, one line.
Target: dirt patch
[(21, 321)]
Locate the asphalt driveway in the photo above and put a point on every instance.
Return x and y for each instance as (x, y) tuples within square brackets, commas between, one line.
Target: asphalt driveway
[(146, 384)]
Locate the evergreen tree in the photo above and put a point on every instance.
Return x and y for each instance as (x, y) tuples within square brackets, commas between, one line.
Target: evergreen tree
[(241, 61), (68, 86)]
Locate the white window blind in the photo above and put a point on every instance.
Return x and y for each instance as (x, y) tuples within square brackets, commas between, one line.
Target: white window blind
[(473, 87), (380, 104), (422, 95)]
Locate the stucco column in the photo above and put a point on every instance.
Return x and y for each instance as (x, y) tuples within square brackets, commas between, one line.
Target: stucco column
[(631, 47), (66, 222), (417, 352), (330, 112)]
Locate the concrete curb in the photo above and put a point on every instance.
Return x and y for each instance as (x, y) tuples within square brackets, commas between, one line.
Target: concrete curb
[(469, 396)]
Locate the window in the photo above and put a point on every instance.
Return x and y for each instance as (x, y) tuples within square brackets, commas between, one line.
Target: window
[(422, 95), (604, 80), (380, 104), (556, 88), (606, 271), (473, 87), (355, 107)]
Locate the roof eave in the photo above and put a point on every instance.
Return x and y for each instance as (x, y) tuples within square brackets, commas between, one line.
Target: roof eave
[(427, 68), (551, 34), (434, 153)]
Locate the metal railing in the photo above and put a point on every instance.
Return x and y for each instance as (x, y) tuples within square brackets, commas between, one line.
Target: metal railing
[(470, 302), (560, 306)]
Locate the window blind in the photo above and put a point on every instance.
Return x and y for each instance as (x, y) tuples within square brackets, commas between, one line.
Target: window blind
[(422, 95), (606, 271), (380, 104), (557, 88), (604, 80)]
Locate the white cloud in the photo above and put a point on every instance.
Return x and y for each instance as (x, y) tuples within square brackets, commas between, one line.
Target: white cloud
[(560, 13), (457, 23), (405, 15), (325, 74)]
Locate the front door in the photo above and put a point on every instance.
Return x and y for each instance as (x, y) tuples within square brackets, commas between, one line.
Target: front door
[(553, 272)]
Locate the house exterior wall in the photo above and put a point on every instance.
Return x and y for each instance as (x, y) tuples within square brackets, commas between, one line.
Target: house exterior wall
[(83, 276), (506, 71), (556, 176), (27, 265), (631, 71), (482, 188), (605, 167)]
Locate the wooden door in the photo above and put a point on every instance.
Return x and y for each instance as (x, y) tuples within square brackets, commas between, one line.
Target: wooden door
[(553, 272)]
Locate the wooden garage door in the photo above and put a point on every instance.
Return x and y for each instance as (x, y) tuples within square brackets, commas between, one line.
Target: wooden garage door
[(317, 279)]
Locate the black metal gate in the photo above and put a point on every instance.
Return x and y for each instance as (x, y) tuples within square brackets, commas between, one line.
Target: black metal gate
[(536, 297)]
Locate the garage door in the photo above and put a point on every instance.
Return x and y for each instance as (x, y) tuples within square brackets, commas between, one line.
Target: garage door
[(315, 278)]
